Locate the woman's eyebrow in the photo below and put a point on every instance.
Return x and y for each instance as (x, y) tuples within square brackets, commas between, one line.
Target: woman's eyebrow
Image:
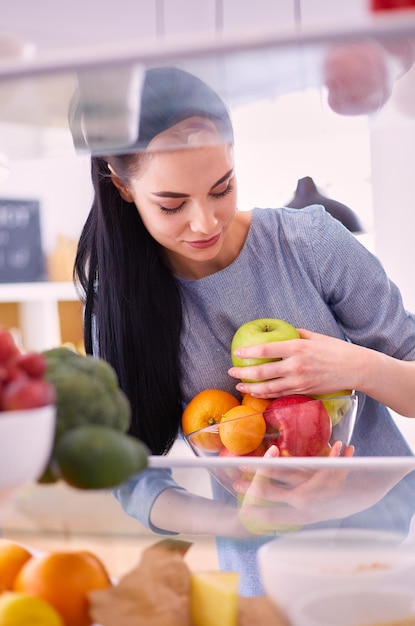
[(175, 194), (169, 194), (221, 180)]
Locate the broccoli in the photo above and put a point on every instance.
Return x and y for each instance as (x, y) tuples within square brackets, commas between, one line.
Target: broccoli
[(92, 448), (87, 391)]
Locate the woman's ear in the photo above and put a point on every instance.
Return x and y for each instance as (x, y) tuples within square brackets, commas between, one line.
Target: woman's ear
[(124, 192)]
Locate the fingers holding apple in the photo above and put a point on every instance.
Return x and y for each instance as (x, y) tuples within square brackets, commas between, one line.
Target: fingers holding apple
[(282, 365)]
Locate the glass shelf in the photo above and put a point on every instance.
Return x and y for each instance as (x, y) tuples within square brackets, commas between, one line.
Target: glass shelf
[(349, 495), (89, 97), (350, 492)]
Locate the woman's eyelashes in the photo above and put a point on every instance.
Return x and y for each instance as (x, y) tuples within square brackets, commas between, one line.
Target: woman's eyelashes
[(222, 194), (172, 210), (177, 209)]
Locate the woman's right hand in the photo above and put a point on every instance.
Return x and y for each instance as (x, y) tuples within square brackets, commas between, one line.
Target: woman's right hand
[(275, 500)]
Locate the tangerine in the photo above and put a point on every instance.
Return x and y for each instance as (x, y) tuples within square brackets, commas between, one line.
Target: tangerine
[(241, 431), (206, 409), (12, 558), (259, 404), (64, 579)]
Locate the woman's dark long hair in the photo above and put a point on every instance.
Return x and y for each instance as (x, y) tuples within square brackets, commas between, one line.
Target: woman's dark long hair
[(133, 302), (133, 310)]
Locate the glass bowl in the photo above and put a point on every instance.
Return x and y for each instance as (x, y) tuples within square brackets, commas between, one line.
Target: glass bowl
[(287, 427), (26, 441)]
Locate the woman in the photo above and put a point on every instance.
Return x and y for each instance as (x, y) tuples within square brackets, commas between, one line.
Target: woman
[(170, 269)]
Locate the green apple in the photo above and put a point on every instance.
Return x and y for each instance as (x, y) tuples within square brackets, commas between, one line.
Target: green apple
[(336, 404), (255, 332), (258, 527)]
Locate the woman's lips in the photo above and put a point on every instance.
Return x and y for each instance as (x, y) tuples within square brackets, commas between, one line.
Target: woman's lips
[(204, 243)]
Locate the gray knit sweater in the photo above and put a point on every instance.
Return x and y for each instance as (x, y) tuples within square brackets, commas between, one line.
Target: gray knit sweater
[(305, 267)]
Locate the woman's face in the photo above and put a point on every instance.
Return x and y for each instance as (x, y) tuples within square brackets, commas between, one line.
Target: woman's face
[(186, 196)]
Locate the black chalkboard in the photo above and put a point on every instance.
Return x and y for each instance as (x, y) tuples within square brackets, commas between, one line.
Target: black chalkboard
[(21, 254)]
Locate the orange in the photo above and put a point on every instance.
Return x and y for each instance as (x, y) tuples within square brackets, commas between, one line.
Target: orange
[(259, 404), (242, 431), (206, 409), (12, 558), (64, 579)]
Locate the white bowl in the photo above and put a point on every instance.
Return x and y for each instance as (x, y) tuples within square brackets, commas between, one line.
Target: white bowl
[(307, 562), (355, 605), (26, 441)]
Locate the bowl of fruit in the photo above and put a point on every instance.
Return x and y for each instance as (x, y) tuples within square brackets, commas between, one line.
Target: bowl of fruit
[(297, 425), (27, 416)]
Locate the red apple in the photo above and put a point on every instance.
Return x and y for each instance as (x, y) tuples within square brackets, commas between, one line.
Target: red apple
[(32, 363), (27, 393), (299, 425), (8, 348)]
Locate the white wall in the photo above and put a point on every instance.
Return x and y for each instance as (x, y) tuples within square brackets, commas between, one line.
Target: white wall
[(393, 159), (62, 186), (393, 175)]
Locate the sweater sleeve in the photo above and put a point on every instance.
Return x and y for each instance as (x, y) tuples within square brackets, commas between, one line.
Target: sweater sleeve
[(368, 306), (138, 495)]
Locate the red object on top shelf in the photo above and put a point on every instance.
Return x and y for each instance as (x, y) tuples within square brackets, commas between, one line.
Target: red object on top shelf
[(384, 5)]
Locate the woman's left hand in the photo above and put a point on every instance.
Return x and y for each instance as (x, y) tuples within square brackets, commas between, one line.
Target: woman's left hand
[(318, 364), (312, 365)]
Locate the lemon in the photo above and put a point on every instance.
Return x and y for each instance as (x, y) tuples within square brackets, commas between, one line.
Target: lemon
[(94, 456), (21, 609)]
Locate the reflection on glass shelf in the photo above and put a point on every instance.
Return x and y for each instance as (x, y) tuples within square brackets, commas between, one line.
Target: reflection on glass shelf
[(342, 492), (280, 500), (359, 70), (275, 496)]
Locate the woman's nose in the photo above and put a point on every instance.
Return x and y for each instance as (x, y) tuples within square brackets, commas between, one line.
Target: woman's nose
[(203, 220)]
